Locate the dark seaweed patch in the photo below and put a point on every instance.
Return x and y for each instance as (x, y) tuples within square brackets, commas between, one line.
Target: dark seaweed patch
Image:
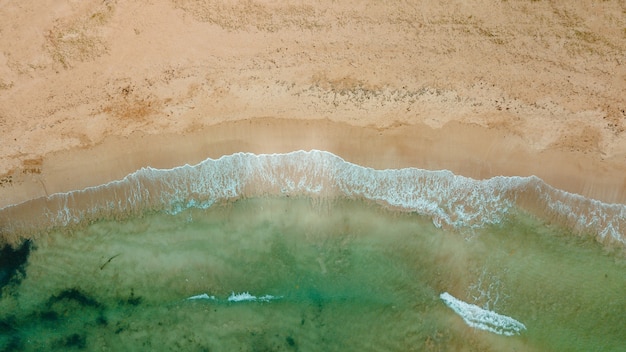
[(74, 341), (75, 295), (120, 327), (12, 262), (15, 344), (68, 303), (9, 335), (7, 325), (132, 299), (49, 315), (102, 320)]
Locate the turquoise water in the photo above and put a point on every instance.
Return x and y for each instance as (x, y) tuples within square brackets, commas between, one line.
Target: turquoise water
[(345, 274)]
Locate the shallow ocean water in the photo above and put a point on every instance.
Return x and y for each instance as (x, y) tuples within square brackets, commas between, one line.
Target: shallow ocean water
[(344, 275)]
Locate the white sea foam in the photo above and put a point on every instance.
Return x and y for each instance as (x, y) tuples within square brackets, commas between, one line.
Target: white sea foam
[(449, 200), (235, 297), (483, 319), (241, 297), (202, 296), (247, 297), (267, 298)]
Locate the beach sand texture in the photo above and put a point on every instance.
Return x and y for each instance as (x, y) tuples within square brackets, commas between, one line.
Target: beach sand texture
[(93, 90)]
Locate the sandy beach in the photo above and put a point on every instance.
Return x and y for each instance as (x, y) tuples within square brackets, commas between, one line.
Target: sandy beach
[(92, 91)]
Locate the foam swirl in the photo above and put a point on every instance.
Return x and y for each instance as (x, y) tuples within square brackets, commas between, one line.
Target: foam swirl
[(483, 319), (450, 200)]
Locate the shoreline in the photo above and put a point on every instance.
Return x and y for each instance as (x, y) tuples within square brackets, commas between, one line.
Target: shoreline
[(466, 150), (91, 92)]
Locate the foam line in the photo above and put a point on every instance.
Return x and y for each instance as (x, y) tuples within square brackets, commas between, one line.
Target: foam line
[(483, 319), (201, 296), (235, 298), (247, 297), (449, 200)]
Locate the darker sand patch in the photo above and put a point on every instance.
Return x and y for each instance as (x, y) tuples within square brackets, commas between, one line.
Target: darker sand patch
[(32, 166), (586, 140)]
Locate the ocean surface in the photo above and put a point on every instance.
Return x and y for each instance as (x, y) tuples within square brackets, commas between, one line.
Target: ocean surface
[(307, 252)]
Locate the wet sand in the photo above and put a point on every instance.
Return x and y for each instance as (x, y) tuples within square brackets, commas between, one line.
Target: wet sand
[(465, 150), (90, 92)]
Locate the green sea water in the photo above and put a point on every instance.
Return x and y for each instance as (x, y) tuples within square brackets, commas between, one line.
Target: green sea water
[(345, 275)]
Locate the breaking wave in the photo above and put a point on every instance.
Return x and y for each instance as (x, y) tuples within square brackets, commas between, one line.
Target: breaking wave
[(483, 319), (449, 200)]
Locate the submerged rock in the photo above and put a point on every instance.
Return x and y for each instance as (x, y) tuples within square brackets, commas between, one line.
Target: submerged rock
[(12, 262)]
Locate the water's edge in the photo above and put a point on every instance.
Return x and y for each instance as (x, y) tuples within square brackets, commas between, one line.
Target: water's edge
[(449, 200)]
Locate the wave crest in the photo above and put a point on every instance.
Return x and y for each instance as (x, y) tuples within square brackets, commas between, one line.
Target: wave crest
[(450, 200)]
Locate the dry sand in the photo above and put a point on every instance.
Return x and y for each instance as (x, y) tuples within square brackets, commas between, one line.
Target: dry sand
[(93, 90)]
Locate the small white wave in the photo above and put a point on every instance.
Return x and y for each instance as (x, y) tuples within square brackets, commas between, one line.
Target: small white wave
[(483, 319), (201, 296), (241, 297), (235, 297), (247, 297)]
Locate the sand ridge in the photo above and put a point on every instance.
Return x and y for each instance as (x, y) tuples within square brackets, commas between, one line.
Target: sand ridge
[(543, 80)]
